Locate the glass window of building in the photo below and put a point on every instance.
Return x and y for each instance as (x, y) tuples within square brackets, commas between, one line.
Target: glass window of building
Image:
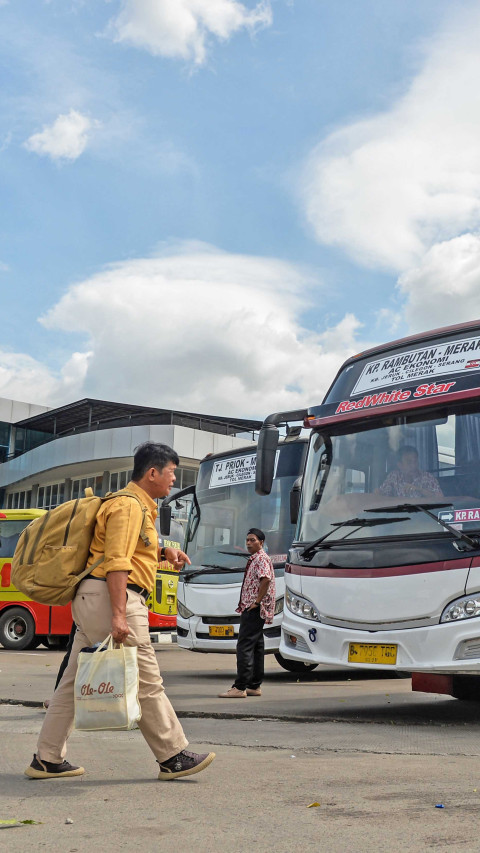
[(189, 477), (47, 497), (185, 477), (19, 500), (119, 479), (4, 440), (79, 486)]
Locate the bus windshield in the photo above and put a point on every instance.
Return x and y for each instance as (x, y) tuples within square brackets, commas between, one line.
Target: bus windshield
[(10, 531), (359, 481), (226, 506)]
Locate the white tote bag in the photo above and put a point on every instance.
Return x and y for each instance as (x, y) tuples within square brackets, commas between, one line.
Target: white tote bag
[(106, 688)]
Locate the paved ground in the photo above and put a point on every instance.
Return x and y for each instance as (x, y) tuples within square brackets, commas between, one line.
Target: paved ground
[(377, 759), (194, 680)]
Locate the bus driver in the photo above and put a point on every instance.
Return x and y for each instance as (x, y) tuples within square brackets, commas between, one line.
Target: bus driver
[(408, 480)]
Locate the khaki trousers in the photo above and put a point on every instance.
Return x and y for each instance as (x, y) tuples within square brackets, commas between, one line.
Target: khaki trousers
[(93, 616)]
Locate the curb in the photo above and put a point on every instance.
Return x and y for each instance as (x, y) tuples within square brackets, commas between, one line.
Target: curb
[(277, 718)]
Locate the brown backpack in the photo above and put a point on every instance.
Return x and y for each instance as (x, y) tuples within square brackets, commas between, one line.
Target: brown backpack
[(52, 552)]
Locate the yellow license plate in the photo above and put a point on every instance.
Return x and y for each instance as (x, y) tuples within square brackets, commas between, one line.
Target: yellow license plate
[(170, 599), (220, 631), (383, 653)]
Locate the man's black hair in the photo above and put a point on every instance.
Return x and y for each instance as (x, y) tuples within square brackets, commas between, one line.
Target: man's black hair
[(407, 448), (152, 455), (258, 533)]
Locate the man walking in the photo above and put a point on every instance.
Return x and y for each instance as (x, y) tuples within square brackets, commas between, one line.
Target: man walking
[(112, 600), (257, 606)]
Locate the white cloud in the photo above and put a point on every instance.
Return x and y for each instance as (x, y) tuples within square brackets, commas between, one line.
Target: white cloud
[(181, 29), (445, 287), (65, 139), (201, 330), (387, 188), (389, 321), (24, 378)]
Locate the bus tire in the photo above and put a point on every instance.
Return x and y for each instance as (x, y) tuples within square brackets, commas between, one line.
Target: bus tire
[(17, 628), (466, 687), (294, 665)]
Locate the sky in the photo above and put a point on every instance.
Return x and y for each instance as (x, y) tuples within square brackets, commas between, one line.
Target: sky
[(208, 205)]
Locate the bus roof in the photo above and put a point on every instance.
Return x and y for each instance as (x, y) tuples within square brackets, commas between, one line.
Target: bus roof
[(442, 332), (414, 372), (20, 514)]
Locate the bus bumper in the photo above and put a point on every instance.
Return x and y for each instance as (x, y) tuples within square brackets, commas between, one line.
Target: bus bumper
[(193, 634), (446, 649), (160, 620)]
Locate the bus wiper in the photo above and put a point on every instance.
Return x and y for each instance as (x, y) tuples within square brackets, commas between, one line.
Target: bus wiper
[(350, 522), (210, 569), (470, 543), (234, 553)]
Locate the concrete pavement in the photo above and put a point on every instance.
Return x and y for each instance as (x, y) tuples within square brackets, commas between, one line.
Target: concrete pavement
[(377, 779)]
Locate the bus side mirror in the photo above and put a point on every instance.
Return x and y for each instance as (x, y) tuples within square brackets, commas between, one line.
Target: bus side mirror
[(165, 517), (295, 500), (266, 450)]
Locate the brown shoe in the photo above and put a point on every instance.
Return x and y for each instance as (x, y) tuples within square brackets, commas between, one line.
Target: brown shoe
[(47, 770), (253, 691), (233, 693), (184, 764)]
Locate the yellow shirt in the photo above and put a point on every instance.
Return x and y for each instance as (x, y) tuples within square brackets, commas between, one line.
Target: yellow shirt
[(117, 537)]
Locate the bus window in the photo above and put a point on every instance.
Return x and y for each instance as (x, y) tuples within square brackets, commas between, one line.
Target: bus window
[(9, 535)]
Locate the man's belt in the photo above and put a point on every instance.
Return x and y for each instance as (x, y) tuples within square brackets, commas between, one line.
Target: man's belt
[(136, 588), (140, 589)]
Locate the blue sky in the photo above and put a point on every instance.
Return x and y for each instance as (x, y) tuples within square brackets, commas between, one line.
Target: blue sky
[(209, 204)]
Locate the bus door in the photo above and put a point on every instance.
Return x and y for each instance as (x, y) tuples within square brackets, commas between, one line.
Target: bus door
[(162, 603)]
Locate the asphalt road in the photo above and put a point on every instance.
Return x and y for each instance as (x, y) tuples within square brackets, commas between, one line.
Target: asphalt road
[(377, 759)]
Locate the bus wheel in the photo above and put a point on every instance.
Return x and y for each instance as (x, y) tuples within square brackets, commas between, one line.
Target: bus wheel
[(466, 687), (17, 629), (294, 665)]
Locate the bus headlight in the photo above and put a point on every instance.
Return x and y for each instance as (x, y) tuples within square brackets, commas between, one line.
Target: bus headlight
[(278, 606), (301, 606), (466, 607), (183, 611)]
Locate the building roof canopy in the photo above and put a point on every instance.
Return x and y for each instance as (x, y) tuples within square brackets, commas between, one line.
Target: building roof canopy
[(88, 414)]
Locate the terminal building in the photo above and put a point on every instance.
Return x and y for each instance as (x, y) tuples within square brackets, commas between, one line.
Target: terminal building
[(48, 456)]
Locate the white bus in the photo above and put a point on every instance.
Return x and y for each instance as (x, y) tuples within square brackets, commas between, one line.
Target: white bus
[(224, 507), (384, 572)]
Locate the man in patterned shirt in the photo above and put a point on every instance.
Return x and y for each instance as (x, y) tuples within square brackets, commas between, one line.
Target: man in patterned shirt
[(408, 481), (256, 606)]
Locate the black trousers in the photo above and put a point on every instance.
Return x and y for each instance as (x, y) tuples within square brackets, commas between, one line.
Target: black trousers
[(250, 650), (65, 660)]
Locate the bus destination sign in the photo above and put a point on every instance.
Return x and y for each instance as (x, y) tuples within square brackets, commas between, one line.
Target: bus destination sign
[(442, 359), (234, 470)]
